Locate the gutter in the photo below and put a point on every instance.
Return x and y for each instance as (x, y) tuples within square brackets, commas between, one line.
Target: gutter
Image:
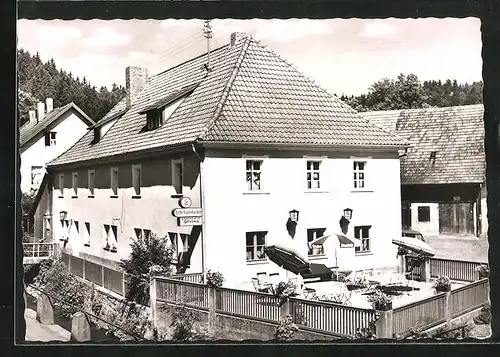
[(203, 210)]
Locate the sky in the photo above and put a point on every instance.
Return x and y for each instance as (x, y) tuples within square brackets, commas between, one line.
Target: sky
[(345, 56)]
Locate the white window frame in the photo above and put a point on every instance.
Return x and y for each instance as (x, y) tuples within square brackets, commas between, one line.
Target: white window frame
[(250, 185), (74, 183), (356, 172), (87, 235), (36, 172), (91, 182), (154, 119), (178, 178), (52, 138), (315, 235), (114, 182), (255, 246), (137, 179), (362, 249), (310, 173), (65, 228), (60, 184)]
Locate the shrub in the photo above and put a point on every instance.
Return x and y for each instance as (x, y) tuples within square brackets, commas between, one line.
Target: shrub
[(284, 290), (484, 318), (183, 325), (483, 270), (380, 301), (286, 329), (367, 333), (442, 283), (214, 279), (402, 251), (150, 256), (416, 333)]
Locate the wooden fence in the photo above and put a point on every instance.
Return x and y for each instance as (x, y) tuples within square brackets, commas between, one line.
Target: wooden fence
[(182, 292), (469, 297), (423, 314), (460, 270), (247, 304), (38, 250), (192, 277), (330, 317)]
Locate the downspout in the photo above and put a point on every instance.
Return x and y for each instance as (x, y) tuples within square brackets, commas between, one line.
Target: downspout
[(202, 210)]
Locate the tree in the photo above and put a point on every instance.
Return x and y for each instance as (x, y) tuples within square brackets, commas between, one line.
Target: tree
[(150, 256)]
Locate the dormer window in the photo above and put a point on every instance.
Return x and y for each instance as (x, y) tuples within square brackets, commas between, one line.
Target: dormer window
[(154, 119), (432, 158), (97, 135), (50, 138)]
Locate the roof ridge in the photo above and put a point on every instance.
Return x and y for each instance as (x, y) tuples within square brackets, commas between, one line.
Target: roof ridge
[(227, 88)]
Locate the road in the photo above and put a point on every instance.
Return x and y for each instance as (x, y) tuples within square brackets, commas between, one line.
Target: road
[(460, 248), (43, 333)]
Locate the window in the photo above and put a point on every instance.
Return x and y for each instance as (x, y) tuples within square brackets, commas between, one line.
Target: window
[(424, 214), (86, 239), (146, 233), (61, 184), (91, 182), (110, 238), (184, 242), (74, 183), (177, 175), (256, 242), (50, 139), (136, 179), (154, 119), (313, 175), (253, 174), (174, 245), (142, 233), (76, 232), (65, 227), (359, 174), (47, 227), (313, 234), (432, 158), (114, 181), (106, 236), (138, 233), (36, 175), (362, 233)]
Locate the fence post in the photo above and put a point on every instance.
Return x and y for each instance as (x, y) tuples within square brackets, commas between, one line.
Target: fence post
[(80, 327), (425, 270), (212, 305), (285, 309), (383, 326), (44, 310), (152, 301), (402, 264), (447, 309)]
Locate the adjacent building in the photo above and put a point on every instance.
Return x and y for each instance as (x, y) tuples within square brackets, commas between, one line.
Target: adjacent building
[(218, 155), (443, 172), (48, 133)]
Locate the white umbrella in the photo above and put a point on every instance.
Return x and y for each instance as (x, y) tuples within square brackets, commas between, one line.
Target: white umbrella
[(414, 245), (342, 239)]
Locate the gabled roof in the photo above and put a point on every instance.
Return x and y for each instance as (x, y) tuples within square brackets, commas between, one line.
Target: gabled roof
[(456, 134), (250, 95), (30, 130)]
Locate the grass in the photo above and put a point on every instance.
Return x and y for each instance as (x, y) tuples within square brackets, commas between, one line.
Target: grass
[(472, 249)]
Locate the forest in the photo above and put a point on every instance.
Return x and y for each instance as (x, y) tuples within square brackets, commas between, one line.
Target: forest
[(38, 81)]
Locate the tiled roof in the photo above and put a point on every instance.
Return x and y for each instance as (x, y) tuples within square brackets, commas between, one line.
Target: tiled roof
[(455, 133), (29, 130), (250, 95)]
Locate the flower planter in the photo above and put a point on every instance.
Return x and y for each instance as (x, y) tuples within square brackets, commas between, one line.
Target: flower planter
[(442, 289), (383, 307), (484, 275)]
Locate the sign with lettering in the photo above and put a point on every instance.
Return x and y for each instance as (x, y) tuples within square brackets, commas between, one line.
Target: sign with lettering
[(189, 221), (185, 202), (187, 212)]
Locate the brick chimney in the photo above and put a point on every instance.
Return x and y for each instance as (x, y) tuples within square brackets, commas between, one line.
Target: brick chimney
[(235, 36), (49, 104), (41, 110), (32, 116), (136, 79)]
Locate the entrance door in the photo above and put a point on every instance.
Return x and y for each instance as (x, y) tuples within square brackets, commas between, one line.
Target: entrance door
[(456, 218)]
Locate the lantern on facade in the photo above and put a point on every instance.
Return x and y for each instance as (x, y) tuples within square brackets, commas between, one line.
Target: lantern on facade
[(294, 215), (63, 215), (348, 213)]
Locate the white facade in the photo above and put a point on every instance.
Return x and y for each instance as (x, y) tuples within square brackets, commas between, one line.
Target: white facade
[(427, 228), (68, 130), (231, 210)]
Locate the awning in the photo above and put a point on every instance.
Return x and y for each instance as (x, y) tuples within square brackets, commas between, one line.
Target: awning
[(288, 259), (342, 239), (415, 245)]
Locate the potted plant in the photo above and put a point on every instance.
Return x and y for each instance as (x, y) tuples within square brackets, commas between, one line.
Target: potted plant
[(402, 251), (483, 271), (380, 301), (214, 279), (442, 284), (284, 290)]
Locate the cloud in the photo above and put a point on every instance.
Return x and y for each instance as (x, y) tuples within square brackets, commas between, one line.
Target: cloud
[(58, 34), (293, 29), (107, 37), (377, 28)]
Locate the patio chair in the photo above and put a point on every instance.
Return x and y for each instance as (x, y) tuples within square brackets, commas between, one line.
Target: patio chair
[(310, 293), (261, 288)]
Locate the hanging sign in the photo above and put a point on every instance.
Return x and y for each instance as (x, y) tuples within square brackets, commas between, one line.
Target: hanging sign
[(189, 221), (187, 212)]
